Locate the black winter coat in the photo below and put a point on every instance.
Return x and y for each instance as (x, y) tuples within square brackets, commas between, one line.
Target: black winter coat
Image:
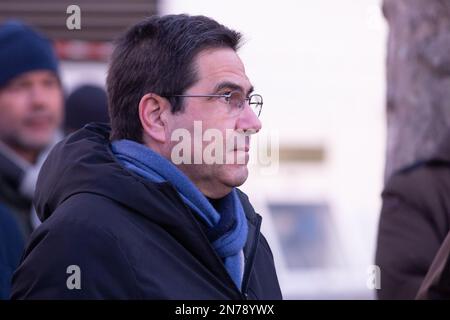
[(129, 238)]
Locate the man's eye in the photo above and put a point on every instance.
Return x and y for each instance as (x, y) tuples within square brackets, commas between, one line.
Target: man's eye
[(227, 96), (50, 83), (19, 86)]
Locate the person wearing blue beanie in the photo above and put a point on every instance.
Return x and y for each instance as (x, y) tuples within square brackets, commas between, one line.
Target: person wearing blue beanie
[(22, 49), (31, 112)]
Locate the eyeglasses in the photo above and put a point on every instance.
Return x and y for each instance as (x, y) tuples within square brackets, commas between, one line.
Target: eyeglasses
[(235, 99)]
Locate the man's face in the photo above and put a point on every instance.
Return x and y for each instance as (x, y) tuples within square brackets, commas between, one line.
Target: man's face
[(31, 109), (219, 71)]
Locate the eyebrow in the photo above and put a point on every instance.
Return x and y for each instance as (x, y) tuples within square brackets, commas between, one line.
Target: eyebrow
[(230, 85)]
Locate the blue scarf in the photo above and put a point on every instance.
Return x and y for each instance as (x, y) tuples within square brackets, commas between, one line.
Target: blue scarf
[(227, 229)]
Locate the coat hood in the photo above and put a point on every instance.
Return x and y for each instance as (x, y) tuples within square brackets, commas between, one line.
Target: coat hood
[(83, 163)]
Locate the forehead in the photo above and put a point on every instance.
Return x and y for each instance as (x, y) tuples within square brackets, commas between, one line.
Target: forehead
[(32, 76), (220, 65)]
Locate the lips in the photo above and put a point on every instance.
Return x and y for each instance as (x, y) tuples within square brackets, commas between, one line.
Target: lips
[(38, 122), (237, 143), (242, 144)]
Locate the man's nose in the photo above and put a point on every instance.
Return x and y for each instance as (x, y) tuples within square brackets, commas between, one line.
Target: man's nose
[(249, 121), (38, 96)]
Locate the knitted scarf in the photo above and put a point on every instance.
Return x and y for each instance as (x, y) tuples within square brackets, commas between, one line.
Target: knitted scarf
[(227, 225)]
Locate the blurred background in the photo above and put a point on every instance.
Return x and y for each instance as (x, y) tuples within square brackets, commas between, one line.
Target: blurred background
[(320, 66)]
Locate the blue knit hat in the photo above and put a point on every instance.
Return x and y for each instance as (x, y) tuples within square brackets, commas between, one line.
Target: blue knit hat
[(23, 49)]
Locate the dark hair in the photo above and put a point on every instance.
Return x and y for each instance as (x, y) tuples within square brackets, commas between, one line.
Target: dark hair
[(156, 55)]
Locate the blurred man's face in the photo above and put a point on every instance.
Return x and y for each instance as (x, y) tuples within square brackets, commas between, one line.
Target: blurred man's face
[(31, 110)]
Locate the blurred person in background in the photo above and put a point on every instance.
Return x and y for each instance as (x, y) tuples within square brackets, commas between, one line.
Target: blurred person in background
[(414, 222), (87, 103), (31, 111), (122, 220)]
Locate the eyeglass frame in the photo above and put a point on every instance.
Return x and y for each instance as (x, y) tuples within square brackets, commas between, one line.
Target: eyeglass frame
[(225, 95)]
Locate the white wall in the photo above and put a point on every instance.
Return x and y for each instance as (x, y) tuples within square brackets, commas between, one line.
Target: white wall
[(75, 74)]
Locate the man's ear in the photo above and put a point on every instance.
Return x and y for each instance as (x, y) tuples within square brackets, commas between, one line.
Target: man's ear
[(153, 110)]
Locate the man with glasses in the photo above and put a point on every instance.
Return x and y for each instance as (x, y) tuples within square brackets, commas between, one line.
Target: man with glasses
[(122, 218), (31, 112)]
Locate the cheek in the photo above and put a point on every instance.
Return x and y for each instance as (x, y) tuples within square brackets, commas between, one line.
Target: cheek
[(12, 109), (225, 126), (55, 101)]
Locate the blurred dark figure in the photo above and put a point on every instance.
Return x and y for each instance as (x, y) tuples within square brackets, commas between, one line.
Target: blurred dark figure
[(11, 247), (85, 104), (31, 111), (414, 222)]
